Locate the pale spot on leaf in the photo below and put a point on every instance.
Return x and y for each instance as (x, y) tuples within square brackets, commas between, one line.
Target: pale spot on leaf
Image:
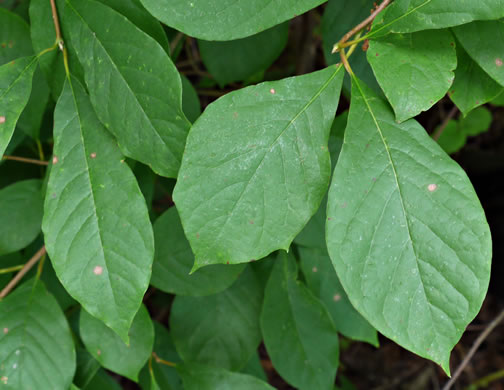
[(336, 297), (98, 270), (6, 330), (98, 352), (432, 187), (498, 61), (4, 380), (2, 119), (55, 160), (14, 366), (314, 269), (272, 91), (92, 155)]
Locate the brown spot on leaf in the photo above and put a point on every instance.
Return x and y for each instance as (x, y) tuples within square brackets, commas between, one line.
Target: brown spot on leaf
[(251, 222), (98, 352), (329, 218), (92, 155), (314, 269), (6, 330), (377, 54), (98, 270), (227, 262), (55, 160), (336, 297)]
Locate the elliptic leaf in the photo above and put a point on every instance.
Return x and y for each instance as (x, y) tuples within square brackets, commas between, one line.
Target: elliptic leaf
[(324, 283), (256, 167), (110, 350), (22, 207), (476, 122), (239, 59), (174, 259), (226, 20), (409, 239), (96, 225), (15, 88), (472, 86), (415, 15), (134, 86), (413, 70), (484, 42), (452, 138), (221, 330), (36, 346), (299, 335), (14, 37), (198, 377)]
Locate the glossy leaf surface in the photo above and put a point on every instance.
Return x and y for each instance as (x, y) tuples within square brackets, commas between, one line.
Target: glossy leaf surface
[(409, 239), (220, 330), (256, 167), (96, 224), (15, 89), (413, 70), (296, 324), (36, 346), (227, 19), (134, 86), (174, 259), (22, 207)]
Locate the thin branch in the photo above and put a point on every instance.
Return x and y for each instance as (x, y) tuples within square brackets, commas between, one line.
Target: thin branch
[(491, 326), (175, 42), (26, 160), (59, 39), (447, 120), (362, 25), (36, 257)]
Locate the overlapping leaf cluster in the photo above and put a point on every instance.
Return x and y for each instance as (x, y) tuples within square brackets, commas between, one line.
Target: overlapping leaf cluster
[(262, 245)]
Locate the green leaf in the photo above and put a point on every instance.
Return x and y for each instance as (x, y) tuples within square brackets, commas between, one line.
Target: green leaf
[(22, 206), (452, 139), (198, 377), (415, 15), (484, 42), (190, 101), (255, 368), (299, 334), (472, 87), (228, 19), (221, 330), (413, 70), (36, 346), (137, 14), (476, 122), (239, 59), (96, 225), (134, 86), (15, 88), (409, 239), (14, 37), (499, 100), (335, 25), (87, 367), (324, 283), (256, 167), (174, 259), (102, 381), (110, 350)]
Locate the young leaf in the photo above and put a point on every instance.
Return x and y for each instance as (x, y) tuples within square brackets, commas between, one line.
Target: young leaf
[(239, 59), (256, 167), (174, 259), (415, 15), (221, 330), (110, 350), (484, 42), (134, 87), (299, 334), (36, 346), (413, 70), (15, 88), (472, 86), (408, 238), (22, 207), (227, 19), (198, 377), (96, 225), (14, 37), (322, 280)]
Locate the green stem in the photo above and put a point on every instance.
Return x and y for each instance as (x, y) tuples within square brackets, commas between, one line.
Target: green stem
[(486, 380), (11, 269)]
